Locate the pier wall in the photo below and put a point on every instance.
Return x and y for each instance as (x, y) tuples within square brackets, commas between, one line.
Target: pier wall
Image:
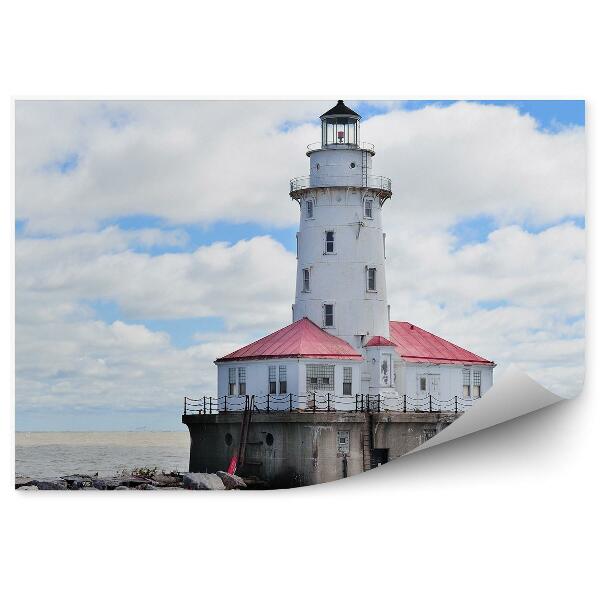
[(303, 448)]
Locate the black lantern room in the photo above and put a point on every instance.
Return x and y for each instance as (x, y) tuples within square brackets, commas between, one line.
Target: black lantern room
[(340, 127)]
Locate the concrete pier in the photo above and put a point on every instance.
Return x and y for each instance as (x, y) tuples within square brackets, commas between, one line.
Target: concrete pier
[(291, 449)]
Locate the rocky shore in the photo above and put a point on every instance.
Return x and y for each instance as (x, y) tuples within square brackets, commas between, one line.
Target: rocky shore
[(138, 479)]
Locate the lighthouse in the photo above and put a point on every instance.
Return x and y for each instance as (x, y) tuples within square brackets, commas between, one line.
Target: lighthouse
[(343, 387), (340, 280)]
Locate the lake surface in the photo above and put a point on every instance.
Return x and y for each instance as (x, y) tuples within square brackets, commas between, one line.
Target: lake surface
[(54, 454)]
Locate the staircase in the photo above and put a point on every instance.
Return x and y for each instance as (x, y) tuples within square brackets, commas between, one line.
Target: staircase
[(239, 459), (367, 441), (365, 168)]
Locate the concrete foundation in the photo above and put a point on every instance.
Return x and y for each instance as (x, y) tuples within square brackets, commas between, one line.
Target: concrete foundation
[(304, 448)]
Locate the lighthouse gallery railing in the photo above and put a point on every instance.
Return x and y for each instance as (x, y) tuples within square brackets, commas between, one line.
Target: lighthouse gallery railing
[(377, 182), (320, 402)]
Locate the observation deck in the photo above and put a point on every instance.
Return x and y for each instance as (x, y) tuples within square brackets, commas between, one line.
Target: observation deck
[(317, 146), (380, 186)]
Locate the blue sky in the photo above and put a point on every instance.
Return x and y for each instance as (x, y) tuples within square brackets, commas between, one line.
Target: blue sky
[(553, 118)]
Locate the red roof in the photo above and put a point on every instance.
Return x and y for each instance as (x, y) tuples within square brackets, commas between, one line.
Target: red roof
[(302, 339), (379, 340), (417, 345)]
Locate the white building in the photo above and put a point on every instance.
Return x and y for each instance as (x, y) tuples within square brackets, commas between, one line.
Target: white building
[(342, 349)]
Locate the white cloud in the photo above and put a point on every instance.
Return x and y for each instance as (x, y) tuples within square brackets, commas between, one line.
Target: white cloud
[(67, 357), (242, 282), (198, 162)]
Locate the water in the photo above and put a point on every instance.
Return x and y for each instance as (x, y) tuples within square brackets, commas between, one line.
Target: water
[(53, 454)]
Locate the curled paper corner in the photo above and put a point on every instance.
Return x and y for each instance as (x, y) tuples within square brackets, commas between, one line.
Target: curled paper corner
[(515, 394)]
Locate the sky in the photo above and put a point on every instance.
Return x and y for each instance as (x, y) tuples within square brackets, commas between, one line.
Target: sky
[(154, 236)]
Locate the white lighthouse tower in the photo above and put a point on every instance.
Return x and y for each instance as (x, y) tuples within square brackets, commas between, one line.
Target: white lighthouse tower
[(340, 282)]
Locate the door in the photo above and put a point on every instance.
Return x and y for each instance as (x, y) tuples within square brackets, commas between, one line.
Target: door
[(433, 381), (428, 384)]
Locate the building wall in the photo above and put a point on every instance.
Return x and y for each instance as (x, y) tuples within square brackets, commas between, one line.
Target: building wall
[(257, 382), (294, 449), (450, 380), (365, 380), (333, 167)]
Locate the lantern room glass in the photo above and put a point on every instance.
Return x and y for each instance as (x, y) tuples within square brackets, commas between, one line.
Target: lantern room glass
[(337, 131)]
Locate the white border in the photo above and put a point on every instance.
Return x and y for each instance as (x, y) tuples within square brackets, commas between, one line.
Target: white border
[(509, 513)]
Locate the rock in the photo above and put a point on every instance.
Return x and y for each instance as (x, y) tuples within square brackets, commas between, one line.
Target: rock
[(121, 487), (28, 487), (102, 484), (77, 482), (202, 481), (231, 482), (22, 481), (146, 486), (112, 483), (162, 480), (50, 484)]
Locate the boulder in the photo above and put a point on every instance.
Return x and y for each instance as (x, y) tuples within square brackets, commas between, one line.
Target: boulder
[(146, 486), (162, 480), (202, 481), (231, 482), (121, 487), (50, 484), (28, 487), (112, 483), (22, 481), (103, 484), (76, 482)]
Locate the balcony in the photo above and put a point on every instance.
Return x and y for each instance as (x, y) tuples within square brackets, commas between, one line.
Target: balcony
[(319, 146), (381, 186)]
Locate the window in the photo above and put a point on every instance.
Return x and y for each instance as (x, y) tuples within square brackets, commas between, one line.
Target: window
[(422, 383), (309, 208), (329, 242), (306, 280), (327, 315), (466, 383), (369, 208), (428, 433), (272, 380), (386, 369), (297, 245), (232, 381), (282, 379), (476, 384), (347, 383), (371, 279), (242, 381), (434, 385), (319, 377)]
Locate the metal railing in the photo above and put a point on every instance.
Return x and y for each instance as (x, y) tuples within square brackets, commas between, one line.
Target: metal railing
[(361, 146), (377, 182), (323, 402)]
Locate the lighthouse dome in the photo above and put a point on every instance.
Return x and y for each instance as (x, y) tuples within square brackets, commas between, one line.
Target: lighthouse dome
[(340, 127)]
